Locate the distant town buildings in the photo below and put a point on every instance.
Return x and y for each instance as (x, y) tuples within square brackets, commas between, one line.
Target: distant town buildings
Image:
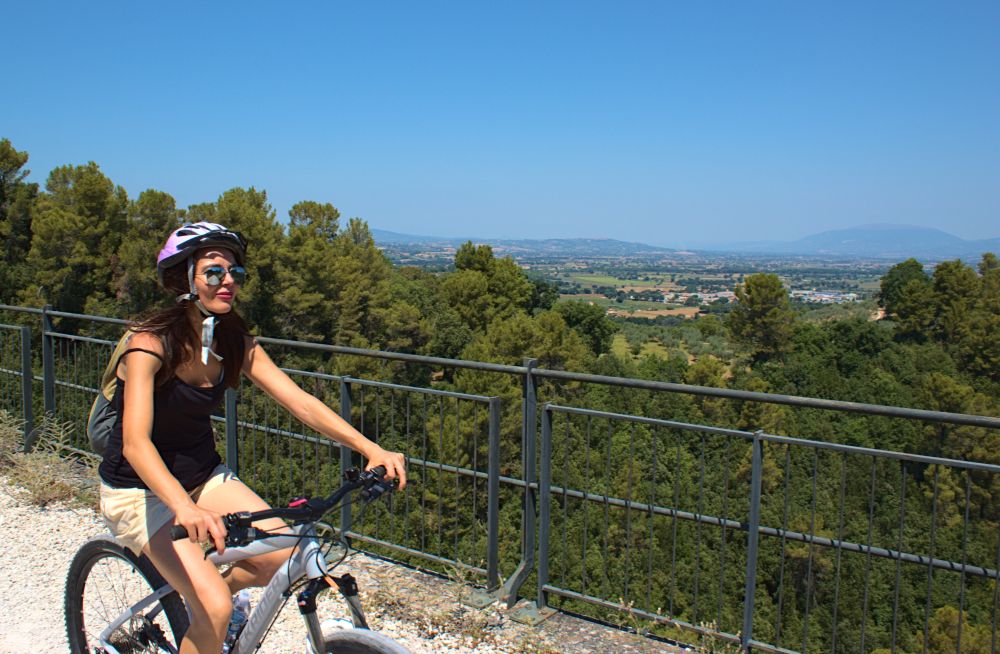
[(825, 297)]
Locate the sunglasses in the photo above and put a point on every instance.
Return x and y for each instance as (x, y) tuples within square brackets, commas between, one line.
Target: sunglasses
[(215, 275)]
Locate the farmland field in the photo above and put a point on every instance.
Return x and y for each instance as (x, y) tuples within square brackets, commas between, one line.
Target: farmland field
[(633, 307), (620, 347)]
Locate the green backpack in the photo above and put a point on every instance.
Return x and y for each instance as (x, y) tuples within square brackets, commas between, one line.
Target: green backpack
[(102, 415)]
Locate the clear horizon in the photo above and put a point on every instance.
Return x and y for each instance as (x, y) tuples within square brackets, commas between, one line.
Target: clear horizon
[(663, 124)]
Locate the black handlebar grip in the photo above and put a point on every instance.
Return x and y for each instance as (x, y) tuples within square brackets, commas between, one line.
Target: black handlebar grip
[(379, 470), (178, 532)]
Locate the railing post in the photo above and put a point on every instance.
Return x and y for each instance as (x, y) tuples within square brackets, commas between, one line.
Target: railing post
[(27, 377), (753, 534), (529, 423), (545, 498), (493, 498), (48, 362), (346, 406), (232, 443)]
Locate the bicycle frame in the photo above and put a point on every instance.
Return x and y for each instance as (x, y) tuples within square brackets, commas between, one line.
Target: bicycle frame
[(306, 561)]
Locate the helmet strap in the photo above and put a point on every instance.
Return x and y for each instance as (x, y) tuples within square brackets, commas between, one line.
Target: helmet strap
[(208, 324), (207, 333)]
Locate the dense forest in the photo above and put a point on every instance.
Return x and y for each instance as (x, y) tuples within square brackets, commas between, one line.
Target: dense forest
[(82, 244)]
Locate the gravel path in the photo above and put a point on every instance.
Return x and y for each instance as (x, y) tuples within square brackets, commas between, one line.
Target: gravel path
[(420, 611)]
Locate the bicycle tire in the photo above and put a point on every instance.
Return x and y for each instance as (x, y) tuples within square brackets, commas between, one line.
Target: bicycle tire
[(104, 580), (360, 641)]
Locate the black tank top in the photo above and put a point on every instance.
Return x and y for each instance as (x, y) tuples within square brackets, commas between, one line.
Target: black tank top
[(182, 434)]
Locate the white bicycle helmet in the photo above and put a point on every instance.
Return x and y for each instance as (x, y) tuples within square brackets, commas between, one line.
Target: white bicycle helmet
[(184, 240)]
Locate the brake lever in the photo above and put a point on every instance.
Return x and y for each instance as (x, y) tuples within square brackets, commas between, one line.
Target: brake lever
[(378, 489)]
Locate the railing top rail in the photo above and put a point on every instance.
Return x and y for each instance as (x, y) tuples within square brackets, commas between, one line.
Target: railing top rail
[(397, 387), (398, 356), (769, 398), (988, 422), (885, 454), (75, 337), (83, 316), (773, 438), (9, 307), (14, 327), (657, 422), (64, 314)]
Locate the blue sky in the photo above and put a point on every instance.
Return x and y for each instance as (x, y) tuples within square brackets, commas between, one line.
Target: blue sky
[(663, 122)]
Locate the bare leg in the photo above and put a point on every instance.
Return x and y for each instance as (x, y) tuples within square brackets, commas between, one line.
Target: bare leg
[(183, 564), (234, 496)]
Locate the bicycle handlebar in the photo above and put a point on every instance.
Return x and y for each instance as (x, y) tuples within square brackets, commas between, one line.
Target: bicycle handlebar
[(239, 531)]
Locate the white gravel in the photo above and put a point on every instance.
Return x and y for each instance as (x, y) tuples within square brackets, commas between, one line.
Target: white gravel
[(418, 610)]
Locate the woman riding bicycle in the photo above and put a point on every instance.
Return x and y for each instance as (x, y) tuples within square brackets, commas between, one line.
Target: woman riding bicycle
[(160, 466)]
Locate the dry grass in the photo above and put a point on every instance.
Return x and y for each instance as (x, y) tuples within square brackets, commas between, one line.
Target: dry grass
[(49, 473)]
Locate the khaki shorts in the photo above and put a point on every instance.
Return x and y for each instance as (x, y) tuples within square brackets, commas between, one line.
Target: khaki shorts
[(134, 515)]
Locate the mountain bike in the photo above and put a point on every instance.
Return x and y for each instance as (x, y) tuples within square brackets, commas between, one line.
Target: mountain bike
[(116, 602)]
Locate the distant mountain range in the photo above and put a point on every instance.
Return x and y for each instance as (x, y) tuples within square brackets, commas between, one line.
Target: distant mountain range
[(873, 241), (895, 242)]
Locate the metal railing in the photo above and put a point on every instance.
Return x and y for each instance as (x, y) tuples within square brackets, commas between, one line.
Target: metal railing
[(677, 527)]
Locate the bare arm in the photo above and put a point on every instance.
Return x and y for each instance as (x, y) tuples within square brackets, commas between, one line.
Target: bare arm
[(262, 371), (138, 448)]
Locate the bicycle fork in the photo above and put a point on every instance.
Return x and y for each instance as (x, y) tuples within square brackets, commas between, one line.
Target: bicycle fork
[(347, 585)]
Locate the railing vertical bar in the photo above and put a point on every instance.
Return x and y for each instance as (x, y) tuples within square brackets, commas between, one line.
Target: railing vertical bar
[(753, 536), (393, 410), (318, 454), (27, 377), (868, 557), (72, 366), (673, 543), (475, 466), (930, 556), (840, 549), (493, 498), (346, 412), (565, 566), (439, 477), (605, 581), (697, 528), (290, 446), (406, 497), (996, 604), (362, 403), (809, 564), (586, 504), (654, 480), (253, 436), (784, 528), (899, 547), (48, 363), (965, 557), (423, 479), (267, 442), (457, 488), (378, 413), (725, 516), (232, 443), (628, 516), (545, 509)]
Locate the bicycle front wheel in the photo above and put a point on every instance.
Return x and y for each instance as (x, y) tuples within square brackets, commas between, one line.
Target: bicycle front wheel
[(104, 582), (361, 641)]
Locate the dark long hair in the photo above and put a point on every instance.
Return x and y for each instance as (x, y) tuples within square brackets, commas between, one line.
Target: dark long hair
[(180, 341)]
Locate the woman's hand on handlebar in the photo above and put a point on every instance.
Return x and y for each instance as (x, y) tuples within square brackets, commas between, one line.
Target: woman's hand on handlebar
[(394, 462), (202, 525)]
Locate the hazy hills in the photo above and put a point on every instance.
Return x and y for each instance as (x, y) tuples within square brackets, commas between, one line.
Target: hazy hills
[(876, 242), (895, 242)]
